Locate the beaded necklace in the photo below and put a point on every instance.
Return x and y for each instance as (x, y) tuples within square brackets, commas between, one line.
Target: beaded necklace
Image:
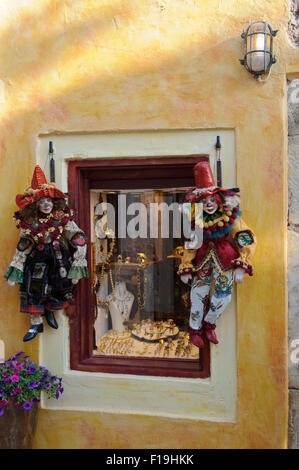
[(220, 225), (41, 228)]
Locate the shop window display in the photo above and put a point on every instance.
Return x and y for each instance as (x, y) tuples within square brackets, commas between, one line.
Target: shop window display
[(132, 315), (142, 306)]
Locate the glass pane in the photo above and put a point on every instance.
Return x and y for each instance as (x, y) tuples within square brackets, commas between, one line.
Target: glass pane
[(142, 306), (259, 39)]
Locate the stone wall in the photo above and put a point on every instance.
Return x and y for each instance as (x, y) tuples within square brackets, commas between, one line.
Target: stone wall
[(293, 235), (293, 261), (294, 22)]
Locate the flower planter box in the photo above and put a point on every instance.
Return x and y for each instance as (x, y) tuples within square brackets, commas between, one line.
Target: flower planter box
[(21, 384), (17, 426)]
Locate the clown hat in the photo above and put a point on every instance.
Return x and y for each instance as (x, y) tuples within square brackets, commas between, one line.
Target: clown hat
[(39, 188), (204, 182)]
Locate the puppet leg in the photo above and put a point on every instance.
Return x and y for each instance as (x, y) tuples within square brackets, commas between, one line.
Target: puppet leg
[(36, 327), (222, 295), (199, 297), (51, 320)]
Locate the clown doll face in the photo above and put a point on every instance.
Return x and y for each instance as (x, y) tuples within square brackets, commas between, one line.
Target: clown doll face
[(210, 204), (45, 205)]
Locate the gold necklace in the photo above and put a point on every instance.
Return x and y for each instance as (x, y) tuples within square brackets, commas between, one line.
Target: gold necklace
[(141, 303), (104, 264)]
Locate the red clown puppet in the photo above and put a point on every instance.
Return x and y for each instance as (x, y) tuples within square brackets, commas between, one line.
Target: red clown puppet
[(224, 256), (43, 264)]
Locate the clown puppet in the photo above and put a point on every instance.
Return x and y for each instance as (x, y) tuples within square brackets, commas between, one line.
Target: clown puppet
[(223, 258), (43, 264)]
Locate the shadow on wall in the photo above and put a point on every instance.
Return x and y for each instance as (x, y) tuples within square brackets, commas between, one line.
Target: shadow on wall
[(100, 71), (82, 66)]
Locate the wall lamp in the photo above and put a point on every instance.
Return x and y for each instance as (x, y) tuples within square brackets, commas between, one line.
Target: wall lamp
[(258, 57)]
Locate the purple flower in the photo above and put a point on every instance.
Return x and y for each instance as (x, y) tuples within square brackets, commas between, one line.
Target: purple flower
[(12, 393), (3, 402), (53, 377), (7, 380), (18, 367), (19, 354), (18, 405), (4, 374), (16, 356), (32, 364), (27, 405), (1, 411), (1, 393), (19, 390), (14, 378), (35, 399), (33, 384), (48, 386), (57, 395), (61, 389), (32, 370)]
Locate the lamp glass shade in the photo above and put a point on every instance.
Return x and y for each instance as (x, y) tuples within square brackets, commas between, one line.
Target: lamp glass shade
[(259, 47)]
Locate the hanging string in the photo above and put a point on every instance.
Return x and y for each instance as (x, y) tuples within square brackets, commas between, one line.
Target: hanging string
[(51, 161)]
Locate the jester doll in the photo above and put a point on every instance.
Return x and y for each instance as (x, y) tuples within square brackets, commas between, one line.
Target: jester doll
[(224, 256), (51, 255)]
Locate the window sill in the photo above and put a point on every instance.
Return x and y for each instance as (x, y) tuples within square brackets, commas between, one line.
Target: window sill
[(210, 399)]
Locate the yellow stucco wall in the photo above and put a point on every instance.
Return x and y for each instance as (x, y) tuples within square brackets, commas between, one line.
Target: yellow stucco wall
[(72, 65)]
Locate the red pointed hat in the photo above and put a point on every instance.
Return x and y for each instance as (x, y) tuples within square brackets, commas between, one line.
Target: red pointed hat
[(204, 180), (39, 188)]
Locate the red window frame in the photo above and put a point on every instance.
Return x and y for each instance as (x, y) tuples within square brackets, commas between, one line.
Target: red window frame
[(122, 173)]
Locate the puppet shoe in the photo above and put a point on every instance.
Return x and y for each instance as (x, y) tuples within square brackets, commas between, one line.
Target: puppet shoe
[(195, 337), (210, 334), (51, 320), (33, 330)]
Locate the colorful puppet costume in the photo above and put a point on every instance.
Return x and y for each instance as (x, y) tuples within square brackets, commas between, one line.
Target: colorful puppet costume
[(228, 244), (51, 253)]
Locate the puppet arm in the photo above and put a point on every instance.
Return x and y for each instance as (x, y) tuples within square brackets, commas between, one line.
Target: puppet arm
[(14, 273), (245, 242), (186, 265), (77, 238)]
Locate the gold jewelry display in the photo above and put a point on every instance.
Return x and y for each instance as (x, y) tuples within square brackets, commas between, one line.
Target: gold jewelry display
[(153, 331), (106, 264), (114, 342), (126, 344), (141, 302)]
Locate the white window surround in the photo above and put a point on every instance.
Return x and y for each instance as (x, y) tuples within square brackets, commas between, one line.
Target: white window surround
[(212, 399)]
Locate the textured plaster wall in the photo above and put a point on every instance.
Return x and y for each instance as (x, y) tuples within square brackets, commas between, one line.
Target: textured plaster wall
[(72, 65), (293, 261)]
